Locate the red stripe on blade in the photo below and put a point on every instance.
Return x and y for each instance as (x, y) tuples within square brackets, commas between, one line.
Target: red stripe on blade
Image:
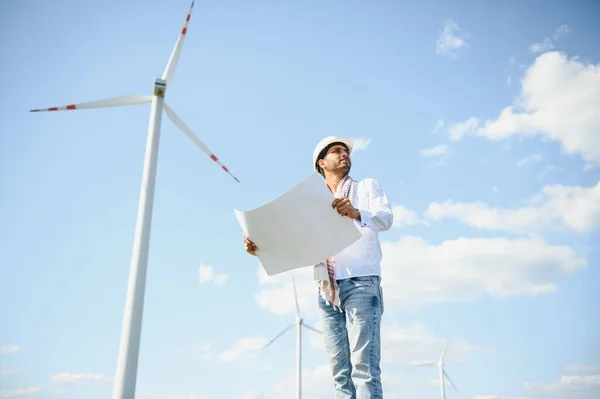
[(188, 17), (53, 109), (213, 157), (70, 107), (225, 169), (183, 31)]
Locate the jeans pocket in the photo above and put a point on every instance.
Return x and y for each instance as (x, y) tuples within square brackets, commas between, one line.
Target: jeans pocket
[(362, 281)]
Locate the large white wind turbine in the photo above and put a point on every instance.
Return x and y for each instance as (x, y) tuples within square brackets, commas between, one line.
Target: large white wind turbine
[(126, 373), (442, 373), (299, 323)]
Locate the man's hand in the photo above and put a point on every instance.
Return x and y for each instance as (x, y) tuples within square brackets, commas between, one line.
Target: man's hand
[(251, 247), (344, 207)]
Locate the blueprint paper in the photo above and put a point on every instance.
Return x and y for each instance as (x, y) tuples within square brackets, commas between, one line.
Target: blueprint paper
[(298, 229)]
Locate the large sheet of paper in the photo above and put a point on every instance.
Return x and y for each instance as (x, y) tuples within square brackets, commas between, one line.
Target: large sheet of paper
[(298, 229)]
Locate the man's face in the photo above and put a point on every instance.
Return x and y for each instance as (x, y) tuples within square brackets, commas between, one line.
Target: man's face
[(337, 160)]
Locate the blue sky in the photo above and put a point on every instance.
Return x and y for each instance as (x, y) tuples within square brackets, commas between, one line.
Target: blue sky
[(481, 122)]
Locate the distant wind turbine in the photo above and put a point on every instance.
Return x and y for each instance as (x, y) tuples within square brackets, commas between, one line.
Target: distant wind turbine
[(127, 365), (299, 324), (442, 373)]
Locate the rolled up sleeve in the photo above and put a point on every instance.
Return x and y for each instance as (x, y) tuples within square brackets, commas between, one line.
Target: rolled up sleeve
[(379, 216)]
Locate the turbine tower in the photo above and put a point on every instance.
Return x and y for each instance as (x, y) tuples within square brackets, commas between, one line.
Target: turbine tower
[(127, 364), (442, 373), (299, 323)]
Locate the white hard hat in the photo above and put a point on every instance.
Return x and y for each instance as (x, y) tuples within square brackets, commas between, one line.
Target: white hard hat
[(327, 141)]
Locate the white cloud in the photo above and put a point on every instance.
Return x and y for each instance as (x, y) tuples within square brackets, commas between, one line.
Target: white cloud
[(277, 293), (530, 159), (458, 130), (73, 378), (416, 344), (439, 125), (18, 392), (582, 368), (583, 386), (404, 217), (511, 69), (360, 144), (243, 350), (7, 349), (434, 151), (574, 207), (417, 273), (548, 43), (206, 275), (559, 100), (560, 31), (449, 42), (544, 45)]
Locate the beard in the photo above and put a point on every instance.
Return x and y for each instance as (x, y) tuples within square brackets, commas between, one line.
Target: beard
[(345, 167), (339, 167)]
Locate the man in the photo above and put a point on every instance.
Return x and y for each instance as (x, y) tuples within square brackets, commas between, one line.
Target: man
[(351, 299)]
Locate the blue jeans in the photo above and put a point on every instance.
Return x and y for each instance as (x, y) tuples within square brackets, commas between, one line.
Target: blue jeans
[(352, 338)]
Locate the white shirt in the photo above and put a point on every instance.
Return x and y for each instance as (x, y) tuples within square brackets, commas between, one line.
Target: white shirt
[(363, 258)]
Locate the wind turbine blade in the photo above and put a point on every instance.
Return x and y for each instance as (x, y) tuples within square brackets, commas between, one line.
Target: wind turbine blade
[(278, 335), (131, 99), (444, 352), (172, 64), (312, 328), (449, 380), (296, 297), (424, 364), (188, 132)]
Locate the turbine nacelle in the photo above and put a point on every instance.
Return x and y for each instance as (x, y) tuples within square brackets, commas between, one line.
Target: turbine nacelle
[(160, 86)]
